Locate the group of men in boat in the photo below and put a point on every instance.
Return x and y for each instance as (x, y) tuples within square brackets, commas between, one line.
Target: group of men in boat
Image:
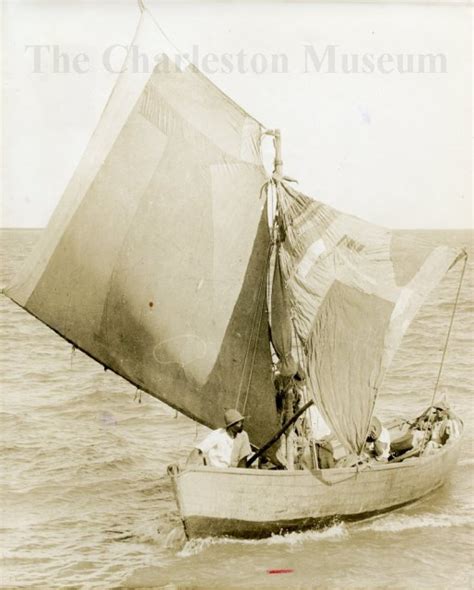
[(230, 447), (310, 444), (429, 432)]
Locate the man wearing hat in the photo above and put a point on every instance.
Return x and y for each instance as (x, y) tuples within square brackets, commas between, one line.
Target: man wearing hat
[(224, 447)]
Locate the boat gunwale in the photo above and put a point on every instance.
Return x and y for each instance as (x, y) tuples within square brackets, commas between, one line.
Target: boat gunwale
[(409, 463)]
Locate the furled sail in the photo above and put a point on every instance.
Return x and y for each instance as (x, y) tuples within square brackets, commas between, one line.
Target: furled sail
[(353, 293), (281, 326), (154, 262)]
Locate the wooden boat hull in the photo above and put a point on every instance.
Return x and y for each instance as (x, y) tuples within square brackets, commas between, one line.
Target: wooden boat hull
[(250, 503)]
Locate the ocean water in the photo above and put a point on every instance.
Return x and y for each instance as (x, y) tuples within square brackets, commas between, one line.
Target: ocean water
[(86, 502)]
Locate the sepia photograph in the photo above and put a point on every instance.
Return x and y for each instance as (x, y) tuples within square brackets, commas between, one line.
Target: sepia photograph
[(237, 295)]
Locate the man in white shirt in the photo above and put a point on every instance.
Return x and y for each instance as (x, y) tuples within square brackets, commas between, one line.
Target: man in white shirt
[(321, 433), (224, 447)]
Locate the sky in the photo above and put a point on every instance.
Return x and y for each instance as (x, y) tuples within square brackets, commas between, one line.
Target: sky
[(358, 132)]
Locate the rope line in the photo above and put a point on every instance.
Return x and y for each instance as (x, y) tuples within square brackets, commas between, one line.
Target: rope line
[(448, 335), (359, 468), (182, 56), (249, 345), (252, 366), (256, 326), (144, 8), (428, 422)]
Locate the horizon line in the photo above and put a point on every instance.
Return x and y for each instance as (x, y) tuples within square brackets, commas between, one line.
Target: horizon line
[(33, 228)]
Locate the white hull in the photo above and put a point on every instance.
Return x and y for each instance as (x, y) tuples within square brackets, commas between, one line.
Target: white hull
[(257, 503)]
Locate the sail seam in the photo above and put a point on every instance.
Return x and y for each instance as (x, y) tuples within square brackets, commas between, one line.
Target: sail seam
[(257, 337)]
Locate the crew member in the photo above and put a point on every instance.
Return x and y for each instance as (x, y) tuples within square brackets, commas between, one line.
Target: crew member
[(224, 447), (378, 440), (321, 434)]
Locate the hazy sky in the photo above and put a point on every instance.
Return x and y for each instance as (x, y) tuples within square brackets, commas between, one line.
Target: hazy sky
[(392, 147)]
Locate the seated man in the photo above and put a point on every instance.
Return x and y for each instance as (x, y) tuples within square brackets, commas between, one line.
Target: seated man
[(378, 441), (450, 429), (224, 447), (321, 434), (434, 428), (444, 427)]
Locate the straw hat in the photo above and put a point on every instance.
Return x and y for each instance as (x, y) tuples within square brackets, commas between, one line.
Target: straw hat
[(231, 417)]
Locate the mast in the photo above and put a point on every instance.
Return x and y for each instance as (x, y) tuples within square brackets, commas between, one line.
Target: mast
[(278, 162), (283, 341)]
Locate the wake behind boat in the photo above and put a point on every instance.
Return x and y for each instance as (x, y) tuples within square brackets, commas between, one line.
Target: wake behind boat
[(177, 262)]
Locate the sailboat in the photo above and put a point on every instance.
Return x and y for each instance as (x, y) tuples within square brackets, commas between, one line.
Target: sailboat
[(176, 261)]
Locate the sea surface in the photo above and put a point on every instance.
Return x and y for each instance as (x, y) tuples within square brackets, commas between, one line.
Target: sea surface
[(86, 502)]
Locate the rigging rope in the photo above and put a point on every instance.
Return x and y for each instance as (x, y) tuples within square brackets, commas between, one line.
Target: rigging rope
[(268, 187), (272, 203), (144, 8), (182, 56), (448, 335), (443, 357), (429, 421), (252, 365), (251, 336)]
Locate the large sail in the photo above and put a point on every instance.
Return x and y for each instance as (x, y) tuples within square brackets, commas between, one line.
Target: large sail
[(353, 293), (154, 261)]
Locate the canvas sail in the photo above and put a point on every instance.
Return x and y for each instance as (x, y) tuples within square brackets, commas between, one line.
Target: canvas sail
[(281, 326), (154, 262), (353, 293)]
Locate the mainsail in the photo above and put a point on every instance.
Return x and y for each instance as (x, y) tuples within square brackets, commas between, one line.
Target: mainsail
[(155, 264), (353, 293), (154, 261)]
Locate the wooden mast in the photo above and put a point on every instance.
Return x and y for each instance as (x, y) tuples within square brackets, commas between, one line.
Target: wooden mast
[(278, 162), (277, 174), (288, 432)]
